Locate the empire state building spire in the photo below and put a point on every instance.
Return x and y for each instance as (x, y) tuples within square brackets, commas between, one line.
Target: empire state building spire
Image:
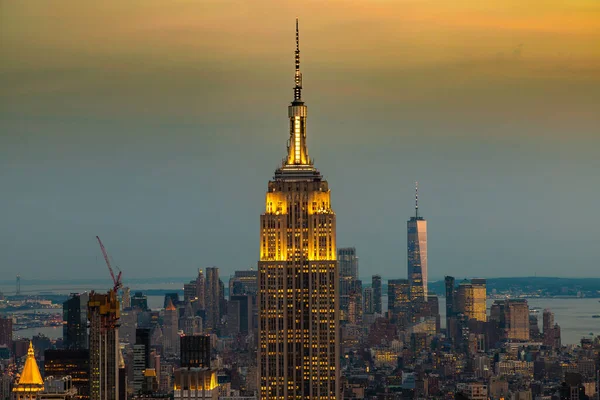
[(298, 354), (297, 111), (298, 75)]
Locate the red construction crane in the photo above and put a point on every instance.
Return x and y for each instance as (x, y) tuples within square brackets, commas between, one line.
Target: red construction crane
[(116, 281)]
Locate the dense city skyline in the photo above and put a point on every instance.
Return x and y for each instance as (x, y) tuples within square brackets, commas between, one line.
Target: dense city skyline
[(147, 128)]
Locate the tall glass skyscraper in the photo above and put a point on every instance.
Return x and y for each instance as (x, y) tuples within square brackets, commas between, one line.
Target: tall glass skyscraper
[(348, 267), (298, 353), (376, 285), (75, 330), (417, 254)]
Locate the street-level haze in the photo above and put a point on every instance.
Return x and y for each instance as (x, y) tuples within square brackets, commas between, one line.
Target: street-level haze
[(157, 124)]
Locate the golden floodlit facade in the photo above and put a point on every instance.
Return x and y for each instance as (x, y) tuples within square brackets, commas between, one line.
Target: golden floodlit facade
[(298, 355), (30, 382), (471, 299)]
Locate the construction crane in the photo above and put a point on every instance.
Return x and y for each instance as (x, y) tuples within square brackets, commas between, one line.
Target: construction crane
[(116, 280)]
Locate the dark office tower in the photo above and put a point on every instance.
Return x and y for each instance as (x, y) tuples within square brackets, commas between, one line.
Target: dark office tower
[(73, 363), (399, 299), (244, 316), (75, 335), (142, 336), (551, 330), (139, 366), (122, 377), (139, 301), (417, 254), (547, 320), (6, 327), (534, 329), (174, 297), (368, 300), (348, 262), (232, 328), (41, 342), (212, 296), (432, 309), (298, 280), (449, 282), (348, 267), (376, 285), (103, 314), (189, 291), (201, 291), (195, 351), (222, 301), (243, 282)]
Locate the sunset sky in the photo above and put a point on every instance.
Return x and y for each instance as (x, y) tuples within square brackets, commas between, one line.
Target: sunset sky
[(157, 125)]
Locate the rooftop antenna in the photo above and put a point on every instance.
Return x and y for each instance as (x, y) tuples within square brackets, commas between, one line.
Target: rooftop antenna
[(417, 200), (298, 74)]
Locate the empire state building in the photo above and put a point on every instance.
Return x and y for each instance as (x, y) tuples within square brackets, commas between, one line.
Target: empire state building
[(298, 353)]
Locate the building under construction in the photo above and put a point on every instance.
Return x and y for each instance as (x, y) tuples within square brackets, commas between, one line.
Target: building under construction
[(103, 314)]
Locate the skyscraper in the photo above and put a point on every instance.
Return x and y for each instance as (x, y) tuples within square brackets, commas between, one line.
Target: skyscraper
[(398, 299), (142, 337), (195, 351), (126, 299), (348, 267), (200, 291), (103, 314), (212, 298), (417, 254), (551, 330), (173, 298), (190, 323), (75, 334), (241, 313), (243, 282), (348, 262), (139, 301), (449, 283), (139, 366), (355, 302), (376, 285), (141, 357), (470, 299), (6, 331), (368, 306), (189, 291), (298, 353), (513, 318), (170, 329), (73, 363)]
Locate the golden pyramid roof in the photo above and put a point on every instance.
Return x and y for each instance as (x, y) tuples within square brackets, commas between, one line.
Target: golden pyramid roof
[(170, 305), (30, 376)]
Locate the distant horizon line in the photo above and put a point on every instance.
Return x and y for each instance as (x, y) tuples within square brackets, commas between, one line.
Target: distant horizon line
[(185, 279)]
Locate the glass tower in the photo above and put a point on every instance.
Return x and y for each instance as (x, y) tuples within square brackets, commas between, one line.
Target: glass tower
[(298, 354), (417, 254)]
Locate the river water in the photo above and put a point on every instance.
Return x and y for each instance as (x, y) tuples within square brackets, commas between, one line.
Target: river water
[(573, 315)]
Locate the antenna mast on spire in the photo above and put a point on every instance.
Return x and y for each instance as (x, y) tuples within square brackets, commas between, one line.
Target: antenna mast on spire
[(298, 74), (417, 200)]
